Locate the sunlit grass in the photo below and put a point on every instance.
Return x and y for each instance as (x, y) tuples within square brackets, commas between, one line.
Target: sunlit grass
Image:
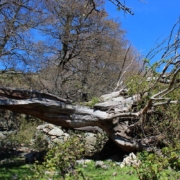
[(19, 170), (15, 170)]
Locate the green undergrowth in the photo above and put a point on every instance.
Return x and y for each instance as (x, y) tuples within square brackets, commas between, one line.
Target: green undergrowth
[(113, 172), (160, 166), (15, 170), (20, 171)]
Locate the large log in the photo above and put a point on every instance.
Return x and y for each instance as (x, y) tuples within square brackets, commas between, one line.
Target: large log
[(112, 114)]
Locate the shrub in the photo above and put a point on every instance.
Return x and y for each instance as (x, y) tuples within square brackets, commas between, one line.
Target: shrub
[(61, 159), (160, 166), (25, 132)]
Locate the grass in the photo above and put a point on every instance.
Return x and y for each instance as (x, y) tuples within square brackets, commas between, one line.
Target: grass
[(113, 172), (14, 170), (20, 171)]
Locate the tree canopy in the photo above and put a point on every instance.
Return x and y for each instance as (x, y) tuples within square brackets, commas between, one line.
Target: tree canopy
[(63, 43)]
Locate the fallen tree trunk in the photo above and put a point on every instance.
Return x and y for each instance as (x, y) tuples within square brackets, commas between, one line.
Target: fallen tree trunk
[(114, 114)]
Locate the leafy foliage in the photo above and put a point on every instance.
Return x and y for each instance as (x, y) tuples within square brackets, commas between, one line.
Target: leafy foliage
[(93, 101), (25, 132), (165, 165), (61, 159)]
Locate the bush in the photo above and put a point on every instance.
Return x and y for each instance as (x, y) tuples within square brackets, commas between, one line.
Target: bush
[(160, 166), (25, 132), (61, 159)]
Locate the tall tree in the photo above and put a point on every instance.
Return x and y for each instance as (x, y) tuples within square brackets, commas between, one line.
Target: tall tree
[(85, 51), (17, 18)]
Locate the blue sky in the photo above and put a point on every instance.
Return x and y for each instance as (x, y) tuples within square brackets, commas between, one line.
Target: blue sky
[(151, 21)]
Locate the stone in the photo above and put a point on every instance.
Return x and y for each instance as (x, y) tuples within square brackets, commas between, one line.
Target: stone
[(24, 149), (90, 139), (130, 160), (2, 136), (105, 166), (41, 127), (114, 173), (8, 132), (66, 136), (53, 137), (99, 164), (56, 132), (46, 130), (58, 140), (50, 126), (83, 161)]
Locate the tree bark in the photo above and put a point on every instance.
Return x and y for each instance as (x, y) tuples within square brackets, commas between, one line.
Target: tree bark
[(113, 114)]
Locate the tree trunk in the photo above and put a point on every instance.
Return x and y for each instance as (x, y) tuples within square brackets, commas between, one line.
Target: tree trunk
[(114, 114)]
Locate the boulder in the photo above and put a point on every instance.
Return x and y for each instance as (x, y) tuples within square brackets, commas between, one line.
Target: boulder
[(56, 132), (42, 126), (90, 139), (130, 160)]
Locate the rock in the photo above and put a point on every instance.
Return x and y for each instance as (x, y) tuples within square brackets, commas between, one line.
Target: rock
[(83, 161), (99, 164), (46, 130), (58, 140), (66, 136), (51, 134), (8, 132), (105, 166), (2, 136), (53, 137), (56, 132), (130, 160), (24, 149), (41, 127), (90, 139), (114, 173), (50, 126)]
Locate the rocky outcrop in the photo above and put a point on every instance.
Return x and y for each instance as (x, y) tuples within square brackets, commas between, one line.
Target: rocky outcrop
[(55, 134), (51, 133)]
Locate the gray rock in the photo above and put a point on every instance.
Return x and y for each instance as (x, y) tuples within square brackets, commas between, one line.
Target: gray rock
[(41, 127), (53, 137), (2, 136), (56, 132), (57, 140), (50, 126), (83, 161), (24, 149), (66, 136), (8, 132), (130, 160), (46, 130), (90, 139), (105, 166), (99, 164)]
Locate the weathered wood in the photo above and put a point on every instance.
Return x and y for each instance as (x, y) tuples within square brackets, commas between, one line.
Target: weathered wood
[(112, 116)]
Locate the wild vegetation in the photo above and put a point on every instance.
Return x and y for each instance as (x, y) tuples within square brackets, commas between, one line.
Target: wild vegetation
[(72, 54)]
